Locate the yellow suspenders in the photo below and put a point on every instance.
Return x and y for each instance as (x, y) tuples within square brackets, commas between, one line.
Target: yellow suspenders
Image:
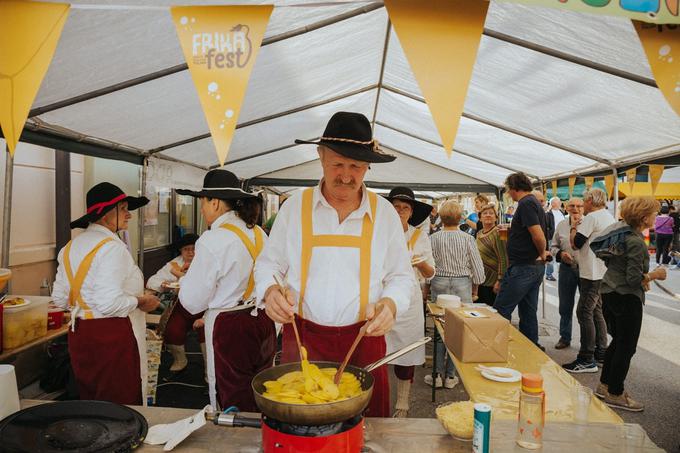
[(411, 243), (363, 243), (77, 282), (253, 249)]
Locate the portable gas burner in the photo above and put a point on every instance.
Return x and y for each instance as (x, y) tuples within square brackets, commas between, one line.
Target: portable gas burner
[(343, 437), (281, 437)]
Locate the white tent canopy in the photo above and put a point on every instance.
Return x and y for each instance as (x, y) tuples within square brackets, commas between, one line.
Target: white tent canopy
[(553, 93)]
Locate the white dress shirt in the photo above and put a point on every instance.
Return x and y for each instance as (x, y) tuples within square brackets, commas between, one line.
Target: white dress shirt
[(164, 275), (113, 282), (218, 275), (332, 293)]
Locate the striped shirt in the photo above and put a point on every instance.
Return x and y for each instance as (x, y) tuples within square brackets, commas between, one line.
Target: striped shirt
[(456, 255)]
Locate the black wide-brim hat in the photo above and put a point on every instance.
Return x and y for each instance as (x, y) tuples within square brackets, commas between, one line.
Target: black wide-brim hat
[(220, 184), (187, 239), (101, 199), (349, 134), (420, 210)]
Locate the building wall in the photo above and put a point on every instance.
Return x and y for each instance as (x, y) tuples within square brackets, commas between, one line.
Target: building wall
[(32, 242)]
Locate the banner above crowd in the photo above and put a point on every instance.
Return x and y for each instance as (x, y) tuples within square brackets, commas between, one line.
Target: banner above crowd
[(655, 11)]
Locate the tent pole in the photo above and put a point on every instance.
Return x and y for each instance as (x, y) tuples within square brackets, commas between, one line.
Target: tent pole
[(382, 73), (140, 219), (7, 207), (616, 193)]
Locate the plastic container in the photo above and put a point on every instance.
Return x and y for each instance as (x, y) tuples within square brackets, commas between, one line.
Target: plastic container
[(448, 301), (531, 417), (5, 276), (23, 323), (55, 317)]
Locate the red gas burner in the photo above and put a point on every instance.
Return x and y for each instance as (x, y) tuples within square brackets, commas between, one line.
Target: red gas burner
[(344, 437)]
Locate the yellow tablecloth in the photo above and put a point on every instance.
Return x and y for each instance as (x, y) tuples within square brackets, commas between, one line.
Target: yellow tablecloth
[(525, 357)]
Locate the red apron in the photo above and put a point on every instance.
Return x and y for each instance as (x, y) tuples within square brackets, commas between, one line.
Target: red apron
[(243, 345), (326, 343), (105, 360), (181, 322)]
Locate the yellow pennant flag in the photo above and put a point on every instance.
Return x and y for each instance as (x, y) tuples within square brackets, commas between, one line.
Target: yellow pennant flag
[(554, 187), (655, 172), (589, 181), (440, 39), (609, 185), (630, 177), (29, 33), (572, 183), (662, 46), (220, 45)]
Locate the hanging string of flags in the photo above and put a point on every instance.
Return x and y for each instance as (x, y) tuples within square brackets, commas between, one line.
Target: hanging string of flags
[(220, 44)]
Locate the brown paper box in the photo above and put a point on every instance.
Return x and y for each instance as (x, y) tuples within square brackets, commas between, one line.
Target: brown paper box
[(471, 339)]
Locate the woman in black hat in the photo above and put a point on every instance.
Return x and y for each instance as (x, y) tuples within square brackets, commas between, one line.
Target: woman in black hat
[(409, 327), (179, 321), (98, 279), (241, 340)]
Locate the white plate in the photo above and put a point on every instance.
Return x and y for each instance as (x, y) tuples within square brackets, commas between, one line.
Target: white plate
[(172, 285), (516, 375)]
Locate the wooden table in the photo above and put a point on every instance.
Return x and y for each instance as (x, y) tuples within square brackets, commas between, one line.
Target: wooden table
[(525, 357), (397, 435)]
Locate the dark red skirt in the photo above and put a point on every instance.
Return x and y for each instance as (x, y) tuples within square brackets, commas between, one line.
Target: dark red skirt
[(105, 360), (179, 324), (326, 343), (243, 345)]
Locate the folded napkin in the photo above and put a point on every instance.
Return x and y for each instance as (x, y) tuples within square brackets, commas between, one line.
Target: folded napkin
[(172, 434)]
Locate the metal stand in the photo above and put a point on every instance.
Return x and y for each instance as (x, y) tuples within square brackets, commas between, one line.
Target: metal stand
[(7, 208)]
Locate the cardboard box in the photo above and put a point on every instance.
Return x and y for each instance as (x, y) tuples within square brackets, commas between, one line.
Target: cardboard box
[(476, 335)]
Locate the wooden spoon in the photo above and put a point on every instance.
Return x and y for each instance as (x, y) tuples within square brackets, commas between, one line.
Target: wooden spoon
[(360, 335), (284, 290)]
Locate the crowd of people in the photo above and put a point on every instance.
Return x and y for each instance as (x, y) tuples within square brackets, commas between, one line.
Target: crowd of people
[(338, 257)]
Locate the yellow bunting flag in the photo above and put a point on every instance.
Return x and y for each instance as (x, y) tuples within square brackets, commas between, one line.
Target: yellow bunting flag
[(572, 183), (220, 45), (655, 172), (589, 181), (554, 187), (609, 185), (630, 177), (440, 39), (662, 46), (29, 33)]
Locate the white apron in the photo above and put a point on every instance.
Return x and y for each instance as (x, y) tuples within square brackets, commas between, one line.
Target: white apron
[(408, 328), (135, 285)]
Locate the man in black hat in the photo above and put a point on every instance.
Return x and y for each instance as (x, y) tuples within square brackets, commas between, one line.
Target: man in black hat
[(98, 279), (179, 321), (342, 251)]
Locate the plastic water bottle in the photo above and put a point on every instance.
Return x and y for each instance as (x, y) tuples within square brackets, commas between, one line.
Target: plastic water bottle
[(531, 415)]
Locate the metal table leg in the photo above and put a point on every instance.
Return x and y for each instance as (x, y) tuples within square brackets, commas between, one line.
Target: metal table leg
[(434, 359)]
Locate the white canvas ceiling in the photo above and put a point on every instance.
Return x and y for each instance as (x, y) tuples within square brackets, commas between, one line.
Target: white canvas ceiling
[(553, 92)]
